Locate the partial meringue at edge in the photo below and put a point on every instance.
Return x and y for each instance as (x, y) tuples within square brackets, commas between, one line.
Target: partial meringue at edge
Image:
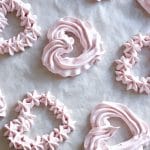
[(28, 21), (102, 130), (60, 44), (2, 106), (16, 129), (145, 4), (130, 57)]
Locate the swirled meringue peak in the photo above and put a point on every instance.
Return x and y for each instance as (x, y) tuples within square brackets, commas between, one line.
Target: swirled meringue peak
[(102, 129), (145, 4), (60, 44)]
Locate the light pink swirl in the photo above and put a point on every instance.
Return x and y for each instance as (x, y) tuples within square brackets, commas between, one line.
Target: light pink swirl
[(102, 130), (2, 106), (16, 129), (145, 4), (128, 60), (60, 43), (28, 21)]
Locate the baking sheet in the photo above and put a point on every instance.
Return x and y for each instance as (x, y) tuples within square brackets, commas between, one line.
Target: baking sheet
[(116, 21)]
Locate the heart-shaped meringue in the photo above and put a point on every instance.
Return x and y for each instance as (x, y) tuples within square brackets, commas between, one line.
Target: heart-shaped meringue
[(128, 60), (23, 39), (16, 129), (60, 43), (102, 130)]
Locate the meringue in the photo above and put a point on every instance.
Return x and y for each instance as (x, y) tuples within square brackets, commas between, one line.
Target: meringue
[(2, 106), (145, 4), (102, 129), (28, 21), (16, 129), (128, 60), (60, 43)]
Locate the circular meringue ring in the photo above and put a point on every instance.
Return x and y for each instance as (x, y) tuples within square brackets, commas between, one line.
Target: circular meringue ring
[(102, 129), (16, 129), (2, 106), (61, 41), (128, 60), (23, 39)]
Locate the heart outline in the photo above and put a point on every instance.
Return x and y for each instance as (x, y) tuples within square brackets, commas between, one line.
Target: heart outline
[(102, 130), (16, 129), (60, 43), (128, 60), (23, 39)]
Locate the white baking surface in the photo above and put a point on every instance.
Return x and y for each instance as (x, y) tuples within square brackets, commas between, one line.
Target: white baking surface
[(116, 21)]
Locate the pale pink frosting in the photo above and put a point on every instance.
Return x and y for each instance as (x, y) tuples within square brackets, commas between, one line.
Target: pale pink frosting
[(102, 130), (98, 0), (3, 21), (16, 129), (2, 106), (145, 4), (128, 60), (60, 44), (28, 21)]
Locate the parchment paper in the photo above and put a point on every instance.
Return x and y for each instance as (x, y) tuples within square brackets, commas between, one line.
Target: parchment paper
[(116, 21)]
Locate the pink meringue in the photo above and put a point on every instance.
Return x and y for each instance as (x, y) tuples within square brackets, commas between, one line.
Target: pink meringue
[(60, 44), (16, 129), (23, 39), (102, 129), (2, 106), (145, 4), (99, 0), (130, 58)]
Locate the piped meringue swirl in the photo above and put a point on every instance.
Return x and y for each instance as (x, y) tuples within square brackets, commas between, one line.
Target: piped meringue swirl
[(28, 21), (16, 129), (145, 4), (128, 60), (2, 106), (102, 130), (60, 43)]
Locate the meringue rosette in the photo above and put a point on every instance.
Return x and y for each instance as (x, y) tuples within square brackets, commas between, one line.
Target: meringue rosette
[(102, 129), (128, 60), (2, 106), (61, 43), (23, 39), (16, 129)]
